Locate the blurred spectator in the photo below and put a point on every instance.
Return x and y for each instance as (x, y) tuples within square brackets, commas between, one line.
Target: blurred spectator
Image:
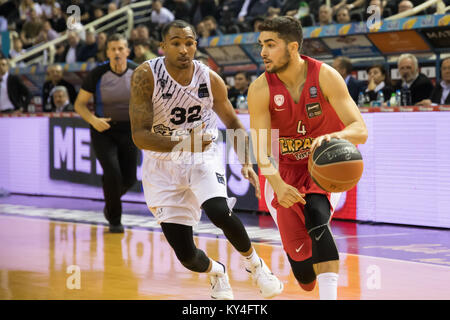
[(256, 22), (55, 78), (47, 8), (240, 88), (26, 8), (160, 15), (100, 56), (31, 29), (89, 50), (112, 6), (344, 66), (201, 29), (378, 81), (405, 5), (17, 48), (70, 53), (325, 15), (47, 33), (343, 15), (253, 8), (15, 96), (9, 11), (98, 13), (441, 92), (142, 33), (228, 11), (142, 52), (180, 8), (418, 83), (211, 25), (61, 99), (58, 21), (201, 9)]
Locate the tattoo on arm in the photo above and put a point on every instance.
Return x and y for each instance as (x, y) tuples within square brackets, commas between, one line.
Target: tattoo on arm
[(141, 107)]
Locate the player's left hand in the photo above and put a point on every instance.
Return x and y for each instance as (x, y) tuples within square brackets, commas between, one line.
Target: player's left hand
[(327, 137), (249, 174)]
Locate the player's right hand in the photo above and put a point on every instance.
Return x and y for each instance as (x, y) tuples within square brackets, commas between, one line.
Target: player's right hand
[(101, 124), (287, 195)]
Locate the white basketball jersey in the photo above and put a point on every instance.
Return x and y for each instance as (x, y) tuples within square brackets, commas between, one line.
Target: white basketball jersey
[(177, 109)]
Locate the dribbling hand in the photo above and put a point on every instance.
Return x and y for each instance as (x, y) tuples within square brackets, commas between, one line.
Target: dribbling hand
[(327, 137)]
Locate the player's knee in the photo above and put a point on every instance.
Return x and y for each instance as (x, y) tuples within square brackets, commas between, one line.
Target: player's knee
[(304, 273), (324, 247), (217, 211)]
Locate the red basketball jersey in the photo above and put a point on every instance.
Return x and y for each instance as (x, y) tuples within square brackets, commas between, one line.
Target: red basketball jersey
[(299, 123)]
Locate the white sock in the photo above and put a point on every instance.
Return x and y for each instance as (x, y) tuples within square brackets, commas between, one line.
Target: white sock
[(217, 268), (252, 260), (328, 283)]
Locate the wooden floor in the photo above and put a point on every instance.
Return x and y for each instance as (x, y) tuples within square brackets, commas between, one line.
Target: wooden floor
[(43, 259)]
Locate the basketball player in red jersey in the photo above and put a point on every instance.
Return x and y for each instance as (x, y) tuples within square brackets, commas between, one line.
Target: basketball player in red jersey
[(307, 102)]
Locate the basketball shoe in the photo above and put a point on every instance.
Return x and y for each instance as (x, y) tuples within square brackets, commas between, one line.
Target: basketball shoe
[(268, 284), (220, 287)]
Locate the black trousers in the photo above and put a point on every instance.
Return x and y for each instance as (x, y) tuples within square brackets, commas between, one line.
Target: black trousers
[(117, 154)]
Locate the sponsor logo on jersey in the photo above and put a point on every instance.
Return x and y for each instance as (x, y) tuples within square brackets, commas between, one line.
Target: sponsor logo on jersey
[(162, 130), (313, 92), (313, 110), (203, 91), (299, 147), (166, 95), (278, 99), (162, 83)]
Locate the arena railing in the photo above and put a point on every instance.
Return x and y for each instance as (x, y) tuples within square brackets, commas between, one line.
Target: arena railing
[(122, 20), (441, 9)]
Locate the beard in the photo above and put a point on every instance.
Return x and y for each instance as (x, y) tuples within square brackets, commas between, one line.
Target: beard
[(283, 65)]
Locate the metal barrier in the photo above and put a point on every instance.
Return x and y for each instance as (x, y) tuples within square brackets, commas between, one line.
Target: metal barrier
[(122, 20)]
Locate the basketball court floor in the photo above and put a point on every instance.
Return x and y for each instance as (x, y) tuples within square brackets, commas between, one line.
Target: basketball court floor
[(59, 248)]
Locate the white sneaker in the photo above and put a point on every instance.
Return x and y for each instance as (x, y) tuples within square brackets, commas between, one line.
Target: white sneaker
[(268, 284), (220, 287)]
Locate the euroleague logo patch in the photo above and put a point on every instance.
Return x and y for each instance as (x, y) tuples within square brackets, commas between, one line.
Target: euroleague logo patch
[(278, 99)]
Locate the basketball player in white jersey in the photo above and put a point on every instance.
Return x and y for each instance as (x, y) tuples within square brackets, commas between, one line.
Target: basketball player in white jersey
[(171, 95)]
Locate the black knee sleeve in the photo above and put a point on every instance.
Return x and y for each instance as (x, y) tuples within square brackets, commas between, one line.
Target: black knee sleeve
[(181, 240), (222, 217), (317, 216), (303, 270)]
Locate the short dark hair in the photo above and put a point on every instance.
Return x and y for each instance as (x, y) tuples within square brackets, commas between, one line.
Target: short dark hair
[(288, 28), (245, 73), (383, 71), (116, 37), (345, 63), (177, 24)]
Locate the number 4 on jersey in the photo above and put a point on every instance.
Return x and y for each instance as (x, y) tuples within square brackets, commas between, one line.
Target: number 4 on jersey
[(301, 128)]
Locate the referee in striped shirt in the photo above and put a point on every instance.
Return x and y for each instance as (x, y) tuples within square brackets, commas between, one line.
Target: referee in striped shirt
[(109, 84)]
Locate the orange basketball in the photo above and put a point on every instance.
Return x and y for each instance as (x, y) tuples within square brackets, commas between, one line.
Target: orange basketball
[(336, 165)]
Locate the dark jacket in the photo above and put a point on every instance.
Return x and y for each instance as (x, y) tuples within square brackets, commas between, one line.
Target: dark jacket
[(18, 93), (355, 87), (62, 57), (46, 90), (420, 89), (436, 95), (387, 92)]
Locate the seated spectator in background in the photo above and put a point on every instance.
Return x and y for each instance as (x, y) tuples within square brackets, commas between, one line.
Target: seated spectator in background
[(47, 33), (254, 8), (344, 66), (405, 5), (378, 81), (240, 88), (61, 100), (100, 56), (142, 52), (228, 11), (211, 25), (142, 33), (180, 8), (441, 92), (15, 96), (160, 15), (47, 8), (58, 21), (256, 22), (55, 78), (418, 83), (89, 50), (343, 15), (325, 15), (112, 6), (201, 29), (201, 9), (31, 29), (17, 48), (70, 53), (25, 10)]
